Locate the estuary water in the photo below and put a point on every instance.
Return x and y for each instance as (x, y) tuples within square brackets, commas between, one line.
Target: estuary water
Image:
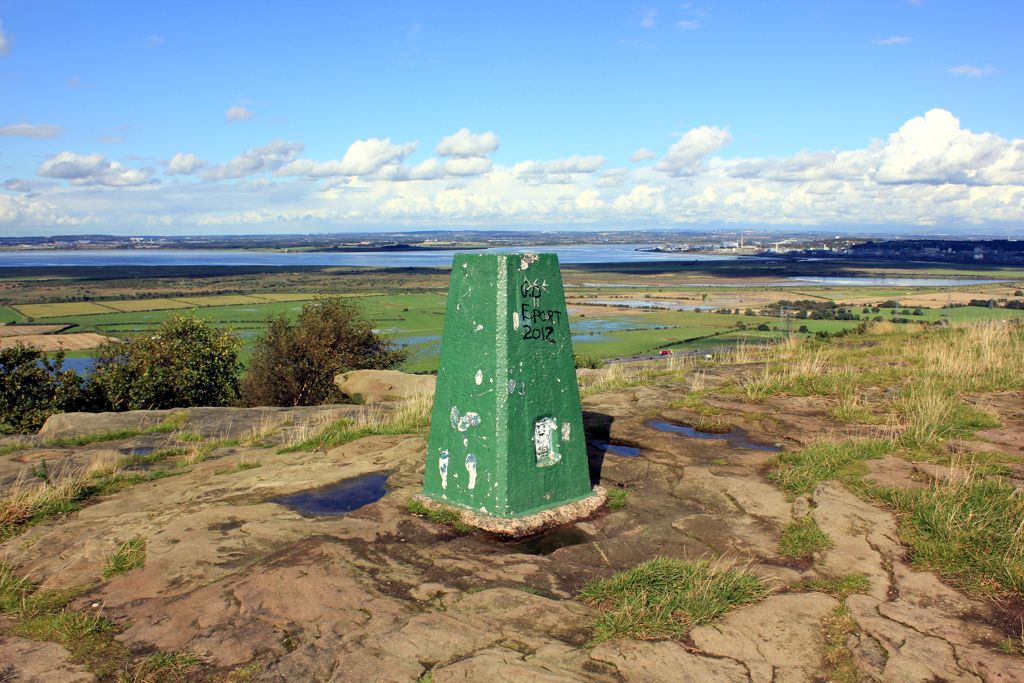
[(586, 253)]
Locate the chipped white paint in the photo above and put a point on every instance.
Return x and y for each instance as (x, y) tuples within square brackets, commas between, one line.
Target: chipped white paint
[(511, 386), (527, 261), (442, 466), (478, 327), (515, 320), (465, 442), (471, 468), (479, 377), (566, 430), (545, 430), (463, 422)]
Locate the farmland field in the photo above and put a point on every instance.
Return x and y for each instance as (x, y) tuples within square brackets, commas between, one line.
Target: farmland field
[(613, 314)]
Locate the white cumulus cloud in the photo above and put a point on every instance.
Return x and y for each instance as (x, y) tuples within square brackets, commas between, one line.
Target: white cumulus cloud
[(269, 157), (362, 158), (238, 113), (5, 42), (465, 143), (642, 154), (687, 154), (934, 149), (31, 130), (184, 164), (93, 169)]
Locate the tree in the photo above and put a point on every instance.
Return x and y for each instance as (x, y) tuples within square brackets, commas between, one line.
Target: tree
[(186, 362), (33, 387), (294, 363)]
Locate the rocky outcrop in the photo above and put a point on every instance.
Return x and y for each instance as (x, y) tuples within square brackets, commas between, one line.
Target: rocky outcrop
[(239, 577), (374, 386)]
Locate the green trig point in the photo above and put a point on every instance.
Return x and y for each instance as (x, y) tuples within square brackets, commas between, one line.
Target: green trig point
[(506, 434)]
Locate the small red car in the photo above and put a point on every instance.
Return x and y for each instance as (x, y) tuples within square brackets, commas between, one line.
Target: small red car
[(666, 352)]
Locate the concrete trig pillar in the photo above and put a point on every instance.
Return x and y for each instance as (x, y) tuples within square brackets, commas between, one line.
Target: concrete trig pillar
[(507, 444)]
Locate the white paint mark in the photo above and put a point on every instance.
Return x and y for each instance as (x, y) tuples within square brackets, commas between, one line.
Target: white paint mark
[(478, 328), (471, 468), (465, 442), (511, 386), (566, 429), (442, 466), (479, 377), (527, 261), (544, 431), (515, 320), (464, 422)]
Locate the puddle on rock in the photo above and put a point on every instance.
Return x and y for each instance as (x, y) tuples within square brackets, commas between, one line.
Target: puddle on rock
[(547, 542), (138, 450), (735, 437), (337, 499), (616, 449)]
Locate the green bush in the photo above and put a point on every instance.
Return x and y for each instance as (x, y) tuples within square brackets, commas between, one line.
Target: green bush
[(294, 363), (587, 361), (33, 387), (186, 362)]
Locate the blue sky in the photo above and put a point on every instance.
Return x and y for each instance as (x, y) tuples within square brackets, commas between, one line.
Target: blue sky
[(259, 117)]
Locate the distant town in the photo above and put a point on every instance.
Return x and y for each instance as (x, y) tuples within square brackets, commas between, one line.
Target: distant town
[(990, 251)]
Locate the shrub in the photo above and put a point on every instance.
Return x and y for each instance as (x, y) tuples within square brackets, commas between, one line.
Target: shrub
[(186, 362), (294, 363), (33, 387), (588, 361)]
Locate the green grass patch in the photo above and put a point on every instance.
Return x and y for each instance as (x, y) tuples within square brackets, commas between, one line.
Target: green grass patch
[(240, 467), (446, 516), (801, 471), (617, 498), (667, 597), (88, 638), (130, 555), (933, 414), (802, 538), (165, 667), (968, 530), (840, 666)]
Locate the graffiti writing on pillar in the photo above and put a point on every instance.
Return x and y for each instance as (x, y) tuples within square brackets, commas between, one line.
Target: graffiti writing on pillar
[(538, 322)]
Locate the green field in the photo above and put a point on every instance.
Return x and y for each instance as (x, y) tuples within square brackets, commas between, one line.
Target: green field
[(410, 309)]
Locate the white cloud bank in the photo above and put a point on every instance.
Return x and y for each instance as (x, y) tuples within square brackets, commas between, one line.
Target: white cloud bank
[(930, 171), (5, 42)]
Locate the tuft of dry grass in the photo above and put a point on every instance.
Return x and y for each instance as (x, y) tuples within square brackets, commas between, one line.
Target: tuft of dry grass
[(26, 502), (976, 357), (617, 376), (409, 416), (260, 432)]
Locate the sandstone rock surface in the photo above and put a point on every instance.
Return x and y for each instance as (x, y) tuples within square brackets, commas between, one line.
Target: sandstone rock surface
[(374, 386)]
